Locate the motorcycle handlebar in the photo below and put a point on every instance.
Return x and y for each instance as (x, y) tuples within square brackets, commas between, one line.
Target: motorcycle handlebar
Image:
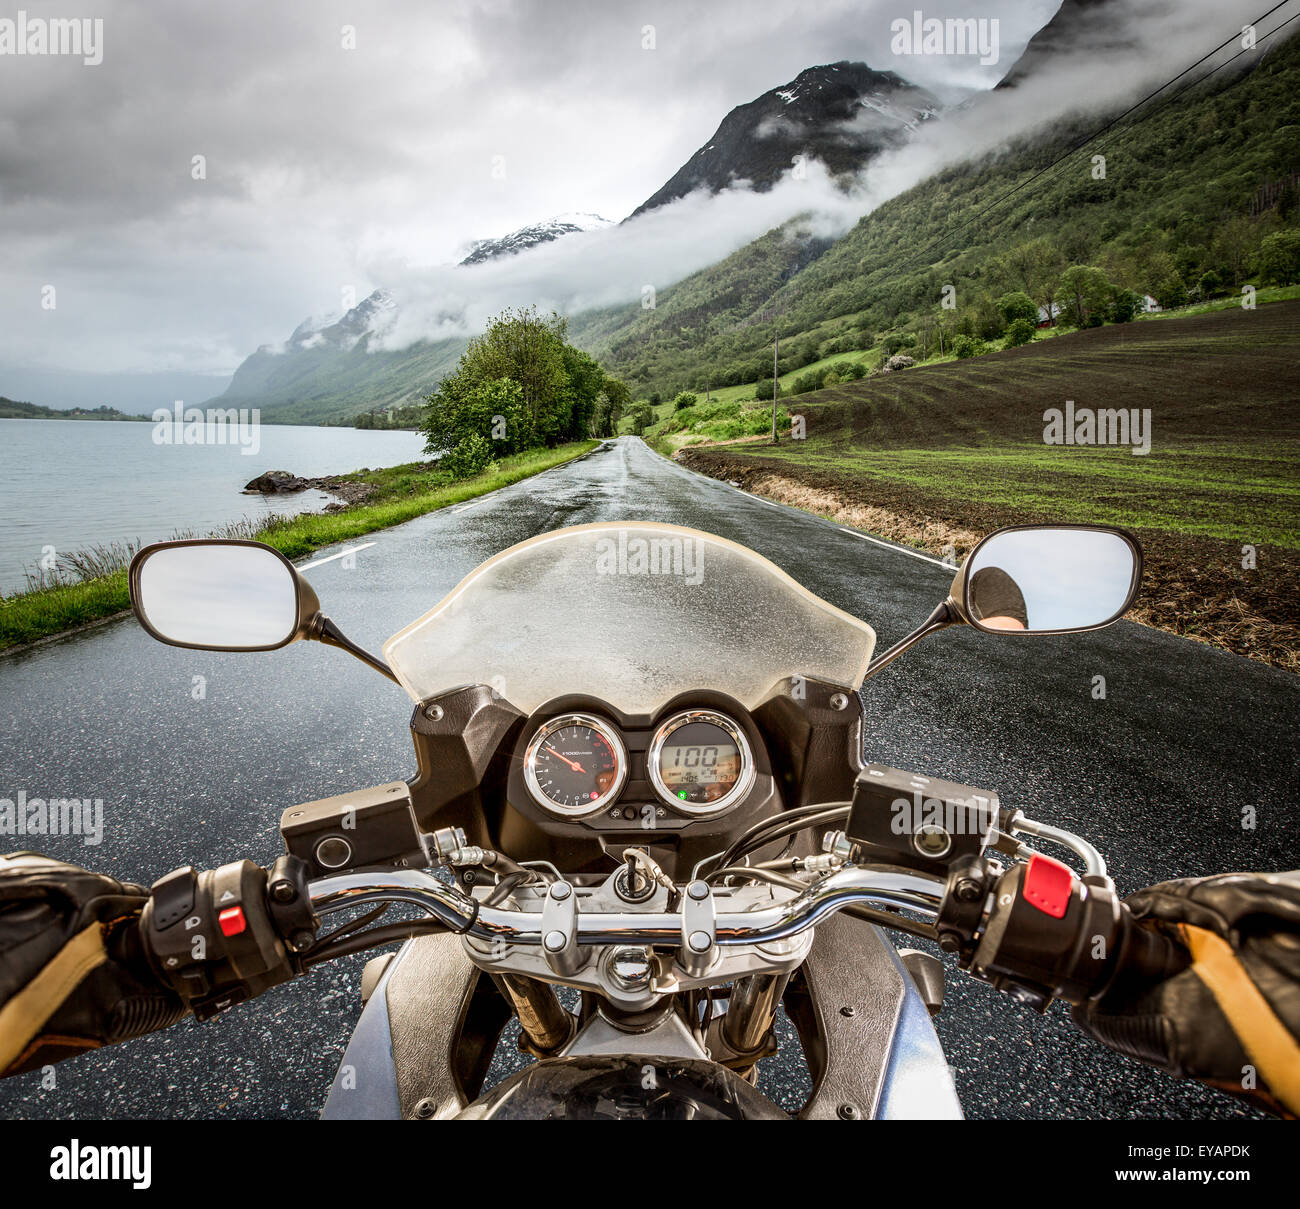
[(1035, 955), (460, 913)]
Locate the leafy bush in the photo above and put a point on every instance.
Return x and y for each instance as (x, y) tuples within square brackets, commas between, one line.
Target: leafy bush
[(1018, 305), (898, 341), (471, 455), (763, 390), (1019, 331), (968, 346), (814, 379), (899, 361), (685, 399)]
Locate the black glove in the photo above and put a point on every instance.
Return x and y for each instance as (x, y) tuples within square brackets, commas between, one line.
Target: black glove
[(73, 974), (1232, 1017)]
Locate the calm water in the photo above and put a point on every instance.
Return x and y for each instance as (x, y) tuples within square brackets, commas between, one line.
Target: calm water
[(77, 483)]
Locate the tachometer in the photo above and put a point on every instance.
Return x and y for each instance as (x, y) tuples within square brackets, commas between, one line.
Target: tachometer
[(575, 764), (700, 761)]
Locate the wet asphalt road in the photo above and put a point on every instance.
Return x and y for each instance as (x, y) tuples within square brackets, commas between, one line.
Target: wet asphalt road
[(1156, 775)]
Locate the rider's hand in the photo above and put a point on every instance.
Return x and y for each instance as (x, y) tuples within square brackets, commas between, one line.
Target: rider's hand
[(1232, 1017), (73, 975)]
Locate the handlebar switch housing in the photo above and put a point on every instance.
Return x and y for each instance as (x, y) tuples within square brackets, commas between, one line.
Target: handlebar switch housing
[(918, 822), (1050, 934), (226, 948)]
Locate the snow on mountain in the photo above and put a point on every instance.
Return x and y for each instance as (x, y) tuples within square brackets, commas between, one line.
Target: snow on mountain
[(532, 236)]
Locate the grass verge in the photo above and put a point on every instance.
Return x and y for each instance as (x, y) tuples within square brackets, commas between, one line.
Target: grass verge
[(398, 493)]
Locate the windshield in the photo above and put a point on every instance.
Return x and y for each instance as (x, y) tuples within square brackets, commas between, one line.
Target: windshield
[(634, 614)]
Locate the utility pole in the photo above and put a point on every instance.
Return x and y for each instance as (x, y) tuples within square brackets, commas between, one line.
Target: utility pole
[(776, 382)]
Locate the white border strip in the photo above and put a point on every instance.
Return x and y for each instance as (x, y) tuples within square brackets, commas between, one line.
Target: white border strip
[(898, 549)]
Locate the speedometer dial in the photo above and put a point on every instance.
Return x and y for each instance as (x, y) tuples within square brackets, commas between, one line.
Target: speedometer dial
[(575, 764), (700, 762)]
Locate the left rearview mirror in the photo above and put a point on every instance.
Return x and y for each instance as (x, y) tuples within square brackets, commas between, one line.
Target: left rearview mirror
[(220, 595), (1049, 579)]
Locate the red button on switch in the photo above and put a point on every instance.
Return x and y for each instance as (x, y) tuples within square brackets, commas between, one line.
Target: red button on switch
[(232, 921), (1047, 885)]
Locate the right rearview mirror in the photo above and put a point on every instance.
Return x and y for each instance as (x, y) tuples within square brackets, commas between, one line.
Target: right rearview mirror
[(220, 595), (1051, 579)]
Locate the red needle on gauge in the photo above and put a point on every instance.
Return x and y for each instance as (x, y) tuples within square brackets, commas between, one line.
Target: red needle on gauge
[(571, 763)]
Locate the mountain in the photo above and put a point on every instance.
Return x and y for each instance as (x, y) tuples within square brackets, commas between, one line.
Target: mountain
[(326, 369), (1190, 200), (842, 114), (532, 236), (1078, 28)]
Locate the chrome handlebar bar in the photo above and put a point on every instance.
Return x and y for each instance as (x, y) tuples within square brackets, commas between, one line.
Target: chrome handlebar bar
[(460, 913)]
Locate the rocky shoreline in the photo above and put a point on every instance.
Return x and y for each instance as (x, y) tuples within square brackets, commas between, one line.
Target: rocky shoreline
[(284, 482)]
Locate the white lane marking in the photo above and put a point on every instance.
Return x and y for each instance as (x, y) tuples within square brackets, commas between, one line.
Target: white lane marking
[(897, 549), (320, 562), (474, 504), (759, 498)]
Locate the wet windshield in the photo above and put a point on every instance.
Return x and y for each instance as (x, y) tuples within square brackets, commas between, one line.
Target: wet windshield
[(635, 614)]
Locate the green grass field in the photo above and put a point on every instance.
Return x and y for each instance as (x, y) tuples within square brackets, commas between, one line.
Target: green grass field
[(401, 494), (938, 454)]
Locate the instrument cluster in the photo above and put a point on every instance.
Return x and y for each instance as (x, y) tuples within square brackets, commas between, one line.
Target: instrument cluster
[(697, 762)]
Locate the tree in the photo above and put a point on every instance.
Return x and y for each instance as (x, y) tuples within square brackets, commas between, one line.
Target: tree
[(1018, 305), (1037, 265), (493, 410), (1171, 292), (643, 415), (1085, 294), (586, 384), (1279, 257), (1019, 331), (1123, 306), (612, 404), (1232, 245)]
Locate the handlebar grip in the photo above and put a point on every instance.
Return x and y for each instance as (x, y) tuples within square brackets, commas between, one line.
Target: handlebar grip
[(1149, 955)]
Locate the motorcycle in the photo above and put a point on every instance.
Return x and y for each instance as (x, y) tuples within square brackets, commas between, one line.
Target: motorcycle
[(640, 777)]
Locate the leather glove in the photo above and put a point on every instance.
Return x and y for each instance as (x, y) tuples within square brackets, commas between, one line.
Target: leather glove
[(1232, 1017), (73, 974)]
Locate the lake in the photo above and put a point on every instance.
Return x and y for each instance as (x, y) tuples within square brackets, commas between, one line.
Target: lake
[(71, 484)]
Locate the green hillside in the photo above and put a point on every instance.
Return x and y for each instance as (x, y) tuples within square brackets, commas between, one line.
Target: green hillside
[(1192, 188), (317, 385)]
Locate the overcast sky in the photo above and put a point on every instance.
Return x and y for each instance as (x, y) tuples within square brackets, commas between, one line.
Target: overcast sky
[(331, 167)]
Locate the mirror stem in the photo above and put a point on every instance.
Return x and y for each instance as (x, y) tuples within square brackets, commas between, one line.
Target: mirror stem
[(324, 630), (944, 616)]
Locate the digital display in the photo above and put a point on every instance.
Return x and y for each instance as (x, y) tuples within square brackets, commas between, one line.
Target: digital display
[(699, 763)]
